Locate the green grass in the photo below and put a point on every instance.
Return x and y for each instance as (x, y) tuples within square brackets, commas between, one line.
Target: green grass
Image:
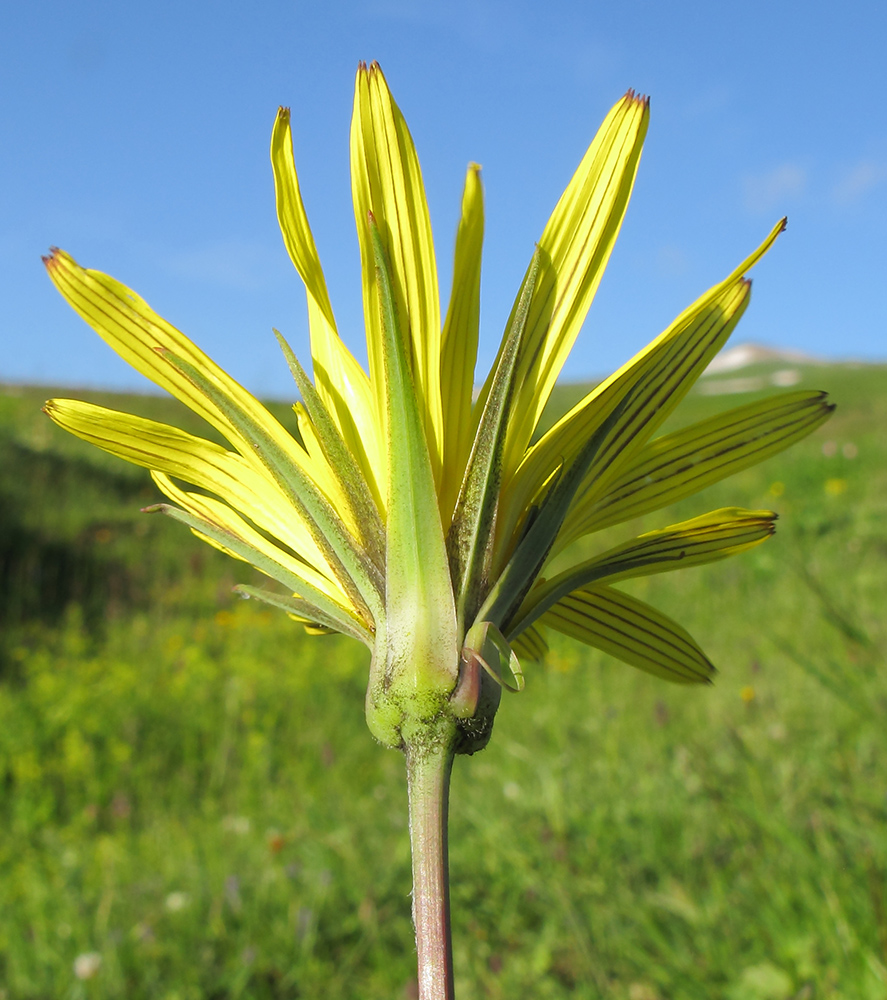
[(189, 788)]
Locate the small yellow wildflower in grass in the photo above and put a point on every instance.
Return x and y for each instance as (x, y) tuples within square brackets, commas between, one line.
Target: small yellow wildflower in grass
[(835, 487), (424, 519), (747, 694), (776, 489)]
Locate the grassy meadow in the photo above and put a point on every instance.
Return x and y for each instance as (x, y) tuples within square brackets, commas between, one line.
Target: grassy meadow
[(192, 807)]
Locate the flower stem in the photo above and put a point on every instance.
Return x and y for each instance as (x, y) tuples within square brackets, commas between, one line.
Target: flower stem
[(429, 765)]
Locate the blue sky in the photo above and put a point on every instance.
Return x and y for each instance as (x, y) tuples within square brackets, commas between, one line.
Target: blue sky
[(135, 136)]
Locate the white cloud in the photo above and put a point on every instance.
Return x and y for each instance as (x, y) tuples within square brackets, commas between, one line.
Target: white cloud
[(769, 191), (857, 181)]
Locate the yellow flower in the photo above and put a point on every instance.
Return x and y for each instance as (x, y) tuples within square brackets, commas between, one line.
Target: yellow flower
[(835, 487), (412, 514)]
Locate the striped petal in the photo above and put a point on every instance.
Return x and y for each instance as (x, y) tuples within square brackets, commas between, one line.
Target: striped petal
[(576, 246), (677, 465), (216, 523), (341, 382), (459, 342), (657, 378), (202, 463), (631, 631), (531, 644), (387, 182), (128, 324), (354, 569), (703, 539)]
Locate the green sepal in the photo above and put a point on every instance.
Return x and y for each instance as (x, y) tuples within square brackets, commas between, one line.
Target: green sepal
[(355, 571), (486, 644), (341, 462), (471, 534), (306, 612), (416, 658), (543, 523), (343, 619), (487, 666)]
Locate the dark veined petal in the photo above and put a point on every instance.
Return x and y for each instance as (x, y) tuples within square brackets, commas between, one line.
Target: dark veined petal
[(209, 466), (145, 340), (631, 631), (703, 539), (531, 644), (575, 247), (216, 523), (471, 535), (354, 569), (677, 465), (657, 378), (353, 487)]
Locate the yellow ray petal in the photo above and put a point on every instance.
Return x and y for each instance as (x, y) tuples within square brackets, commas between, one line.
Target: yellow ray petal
[(669, 365), (129, 325), (703, 539), (576, 246), (202, 463), (386, 180), (459, 342), (341, 382), (631, 631), (677, 465), (229, 520)]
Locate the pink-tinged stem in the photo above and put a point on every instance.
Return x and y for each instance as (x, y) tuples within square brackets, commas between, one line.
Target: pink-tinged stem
[(429, 765)]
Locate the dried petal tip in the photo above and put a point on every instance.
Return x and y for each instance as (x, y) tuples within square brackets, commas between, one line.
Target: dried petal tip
[(632, 95), (51, 259)]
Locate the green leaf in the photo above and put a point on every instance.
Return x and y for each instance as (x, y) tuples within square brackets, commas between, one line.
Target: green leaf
[(703, 539), (631, 631), (677, 465), (471, 535)]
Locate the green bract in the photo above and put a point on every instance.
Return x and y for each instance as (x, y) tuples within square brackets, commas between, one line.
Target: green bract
[(414, 514)]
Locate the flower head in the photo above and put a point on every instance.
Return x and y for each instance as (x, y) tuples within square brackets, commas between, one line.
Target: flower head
[(413, 514)]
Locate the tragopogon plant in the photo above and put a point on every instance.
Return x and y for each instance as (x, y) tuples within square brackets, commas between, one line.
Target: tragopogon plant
[(419, 517)]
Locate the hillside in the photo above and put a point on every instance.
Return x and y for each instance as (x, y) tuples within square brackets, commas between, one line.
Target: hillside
[(192, 799)]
